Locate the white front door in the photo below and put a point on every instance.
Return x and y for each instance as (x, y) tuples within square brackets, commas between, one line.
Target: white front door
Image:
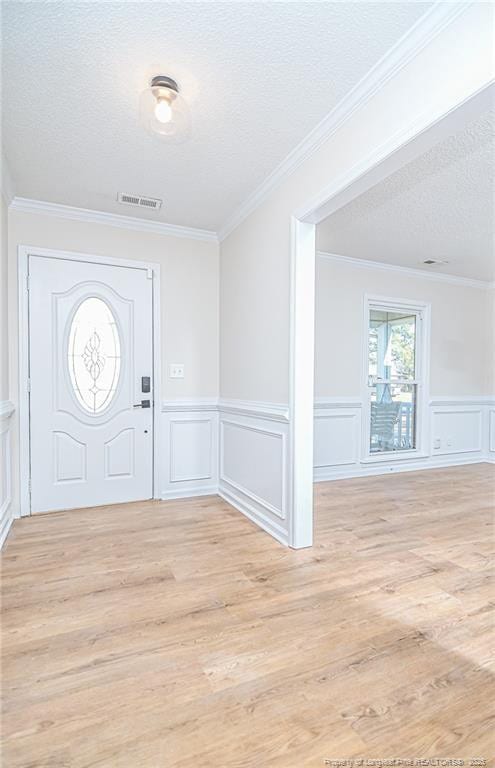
[(91, 398)]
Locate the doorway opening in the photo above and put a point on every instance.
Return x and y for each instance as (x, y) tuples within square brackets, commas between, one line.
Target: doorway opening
[(408, 432)]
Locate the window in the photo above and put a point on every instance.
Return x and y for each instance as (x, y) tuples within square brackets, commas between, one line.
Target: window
[(393, 377), (93, 355)]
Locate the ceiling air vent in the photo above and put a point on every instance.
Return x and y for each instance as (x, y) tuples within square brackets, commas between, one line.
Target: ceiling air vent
[(151, 203)]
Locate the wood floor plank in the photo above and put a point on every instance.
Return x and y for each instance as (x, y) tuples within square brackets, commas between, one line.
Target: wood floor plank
[(173, 634)]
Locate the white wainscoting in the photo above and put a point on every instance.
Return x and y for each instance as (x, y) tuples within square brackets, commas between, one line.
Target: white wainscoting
[(254, 462), (491, 434), (461, 431), (190, 448), (6, 516), (337, 437)]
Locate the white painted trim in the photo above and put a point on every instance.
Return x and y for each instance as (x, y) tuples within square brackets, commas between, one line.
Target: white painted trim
[(7, 408), (177, 414), (6, 513), (301, 382), (23, 395), (428, 26), (412, 140), (365, 470), (409, 271), (224, 479), (26, 205), (356, 402), (7, 183), (23, 316), (422, 310), (190, 405), (256, 516), (190, 493), (337, 402), (462, 400), (270, 411)]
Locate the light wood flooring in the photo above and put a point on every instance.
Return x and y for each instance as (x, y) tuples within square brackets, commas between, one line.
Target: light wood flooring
[(176, 634)]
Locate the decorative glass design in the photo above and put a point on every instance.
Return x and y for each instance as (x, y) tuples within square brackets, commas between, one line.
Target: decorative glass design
[(94, 355)]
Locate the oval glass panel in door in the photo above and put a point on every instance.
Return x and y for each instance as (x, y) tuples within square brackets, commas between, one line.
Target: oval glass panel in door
[(93, 355)]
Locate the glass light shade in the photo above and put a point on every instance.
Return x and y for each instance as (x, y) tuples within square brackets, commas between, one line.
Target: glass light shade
[(164, 112)]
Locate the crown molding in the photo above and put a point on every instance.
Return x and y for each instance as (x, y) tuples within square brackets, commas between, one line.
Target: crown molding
[(26, 205), (7, 183), (428, 26), (410, 271)]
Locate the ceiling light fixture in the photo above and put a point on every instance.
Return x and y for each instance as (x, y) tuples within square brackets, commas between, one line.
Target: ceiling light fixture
[(163, 109)]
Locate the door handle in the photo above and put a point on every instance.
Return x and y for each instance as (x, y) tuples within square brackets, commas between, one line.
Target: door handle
[(142, 404)]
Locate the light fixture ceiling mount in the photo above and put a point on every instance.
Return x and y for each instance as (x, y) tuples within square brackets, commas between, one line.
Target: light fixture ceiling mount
[(163, 109)]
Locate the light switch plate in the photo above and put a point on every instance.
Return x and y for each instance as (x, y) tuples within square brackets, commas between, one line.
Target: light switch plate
[(176, 370)]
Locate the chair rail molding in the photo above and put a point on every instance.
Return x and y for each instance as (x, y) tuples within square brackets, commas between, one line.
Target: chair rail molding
[(262, 410)]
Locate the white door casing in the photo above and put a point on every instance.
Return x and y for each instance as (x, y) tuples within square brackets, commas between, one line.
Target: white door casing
[(89, 444)]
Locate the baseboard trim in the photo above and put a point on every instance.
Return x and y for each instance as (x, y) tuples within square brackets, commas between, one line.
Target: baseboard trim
[(6, 518), (354, 471), (257, 517), (190, 493)]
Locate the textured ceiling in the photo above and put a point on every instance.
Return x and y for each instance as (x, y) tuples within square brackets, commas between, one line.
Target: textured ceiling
[(439, 206), (258, 77)]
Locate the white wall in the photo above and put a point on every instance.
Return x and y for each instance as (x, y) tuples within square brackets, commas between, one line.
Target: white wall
[(459, 427), (461, 361), (5, 405), (255, 258), (189, 317), (189, 281)]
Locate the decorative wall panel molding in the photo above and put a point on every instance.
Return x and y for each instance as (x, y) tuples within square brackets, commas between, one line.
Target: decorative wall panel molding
[(457, 429), (337, 434), (240, 448), (254, 464), (6, 516), (190, 449), (462, 431), (491, 433)]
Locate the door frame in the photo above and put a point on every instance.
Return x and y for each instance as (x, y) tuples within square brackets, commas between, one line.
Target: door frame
[(24, 251), (416, 138)]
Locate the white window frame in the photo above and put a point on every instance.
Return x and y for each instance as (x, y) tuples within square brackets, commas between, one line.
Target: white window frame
[(422, 310)]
